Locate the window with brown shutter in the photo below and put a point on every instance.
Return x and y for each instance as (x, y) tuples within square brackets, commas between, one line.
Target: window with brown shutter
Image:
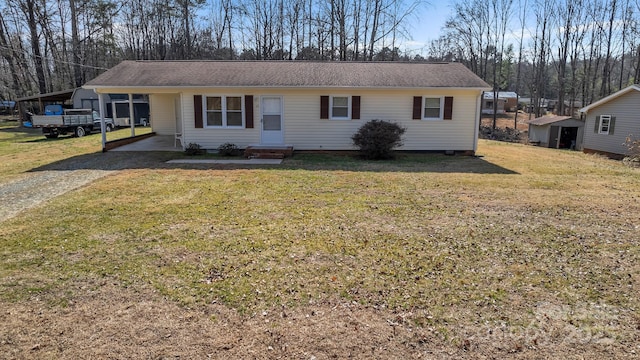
[(324, 107), (355, 107), (248, 111), (417, 107), (197, 108), (432, 108), (448, 108)]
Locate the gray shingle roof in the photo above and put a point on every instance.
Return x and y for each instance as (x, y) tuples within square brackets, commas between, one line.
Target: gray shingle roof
[(287, 74), (548, 119)]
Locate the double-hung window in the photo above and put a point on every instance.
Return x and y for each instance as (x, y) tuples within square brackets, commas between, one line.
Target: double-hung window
[(340, 107), (223, 111), (433, 108), (605, 124)]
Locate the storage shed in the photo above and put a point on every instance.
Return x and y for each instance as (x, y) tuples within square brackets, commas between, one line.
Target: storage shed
[(557, 132)]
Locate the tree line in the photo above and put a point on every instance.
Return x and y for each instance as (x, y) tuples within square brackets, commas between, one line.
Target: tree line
[(576, 51), (48, 45)]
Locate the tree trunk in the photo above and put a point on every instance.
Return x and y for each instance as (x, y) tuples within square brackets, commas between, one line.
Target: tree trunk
[(32, 23), (75, 43)]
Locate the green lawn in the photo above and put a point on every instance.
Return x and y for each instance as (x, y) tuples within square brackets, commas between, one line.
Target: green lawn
[(24, 149), (458, 241)]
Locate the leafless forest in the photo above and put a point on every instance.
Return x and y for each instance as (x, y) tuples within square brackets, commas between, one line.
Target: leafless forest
[(570, 50)]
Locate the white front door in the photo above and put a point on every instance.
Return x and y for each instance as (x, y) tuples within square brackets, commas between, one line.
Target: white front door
[(271, 120)]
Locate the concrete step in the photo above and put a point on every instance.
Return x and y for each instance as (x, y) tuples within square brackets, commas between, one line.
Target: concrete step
[(268, 152)]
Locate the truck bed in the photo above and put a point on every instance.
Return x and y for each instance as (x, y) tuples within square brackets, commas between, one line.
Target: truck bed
[(61, 120)]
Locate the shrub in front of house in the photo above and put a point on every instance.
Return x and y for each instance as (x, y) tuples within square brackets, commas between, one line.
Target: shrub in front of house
[(228, 149), (377, 138), (194, 149)]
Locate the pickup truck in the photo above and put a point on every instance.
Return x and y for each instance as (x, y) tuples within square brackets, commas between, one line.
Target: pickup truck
[(78, 122)]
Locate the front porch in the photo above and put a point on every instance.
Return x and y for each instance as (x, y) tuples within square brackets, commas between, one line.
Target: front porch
[(151, 143)]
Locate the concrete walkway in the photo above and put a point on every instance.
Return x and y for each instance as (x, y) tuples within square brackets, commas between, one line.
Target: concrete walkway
[(153, 143), (233, 161)]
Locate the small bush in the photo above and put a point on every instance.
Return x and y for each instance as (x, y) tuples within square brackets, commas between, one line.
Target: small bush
[(228, 149), (633, 154), (377, 139), (194, 149)]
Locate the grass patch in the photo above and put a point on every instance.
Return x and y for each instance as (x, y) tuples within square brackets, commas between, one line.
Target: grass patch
[(460, 240), (23, 149)]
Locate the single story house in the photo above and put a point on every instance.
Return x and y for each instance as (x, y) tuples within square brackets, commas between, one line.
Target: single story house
[(507, 101), (557, 132), (306, 105), (488, 100), (609, 121)]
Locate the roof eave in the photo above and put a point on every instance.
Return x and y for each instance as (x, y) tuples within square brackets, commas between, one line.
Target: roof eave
[(177, 87), (609, 98)]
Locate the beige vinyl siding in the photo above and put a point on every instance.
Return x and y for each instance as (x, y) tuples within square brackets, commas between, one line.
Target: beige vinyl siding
[(163, 113), (625, 109), (211, 138), (304, 129)]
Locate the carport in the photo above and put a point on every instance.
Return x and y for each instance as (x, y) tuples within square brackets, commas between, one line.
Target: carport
[(165, 116), (58, 97)]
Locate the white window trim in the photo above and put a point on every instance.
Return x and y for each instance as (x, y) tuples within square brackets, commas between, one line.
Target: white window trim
[(224, 111), (602, 118), (331, 117), (424, 102)]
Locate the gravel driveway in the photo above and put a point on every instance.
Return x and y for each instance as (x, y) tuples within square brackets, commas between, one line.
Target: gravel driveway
[(46, 182), (43, 183), (35, 188)]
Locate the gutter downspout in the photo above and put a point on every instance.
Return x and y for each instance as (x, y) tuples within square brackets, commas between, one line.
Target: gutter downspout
[(131, 116), (102, 123), (478, 115)]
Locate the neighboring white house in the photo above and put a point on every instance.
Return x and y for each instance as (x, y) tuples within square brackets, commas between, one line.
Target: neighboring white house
[(557, 132), (307, 105), (609, 121), (506, 100)]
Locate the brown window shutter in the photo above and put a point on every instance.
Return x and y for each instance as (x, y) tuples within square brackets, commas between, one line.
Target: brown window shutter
[(448, 107), (197, 108), (355, 107), (612, 125), (324, 107), (248, 111), (417, 107), (596, 129)]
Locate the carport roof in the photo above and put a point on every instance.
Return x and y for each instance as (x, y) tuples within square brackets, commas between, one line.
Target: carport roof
[(63, 95)]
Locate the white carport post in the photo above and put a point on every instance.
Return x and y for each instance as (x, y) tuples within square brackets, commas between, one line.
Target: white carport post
[(131, 118), (102, 123)]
